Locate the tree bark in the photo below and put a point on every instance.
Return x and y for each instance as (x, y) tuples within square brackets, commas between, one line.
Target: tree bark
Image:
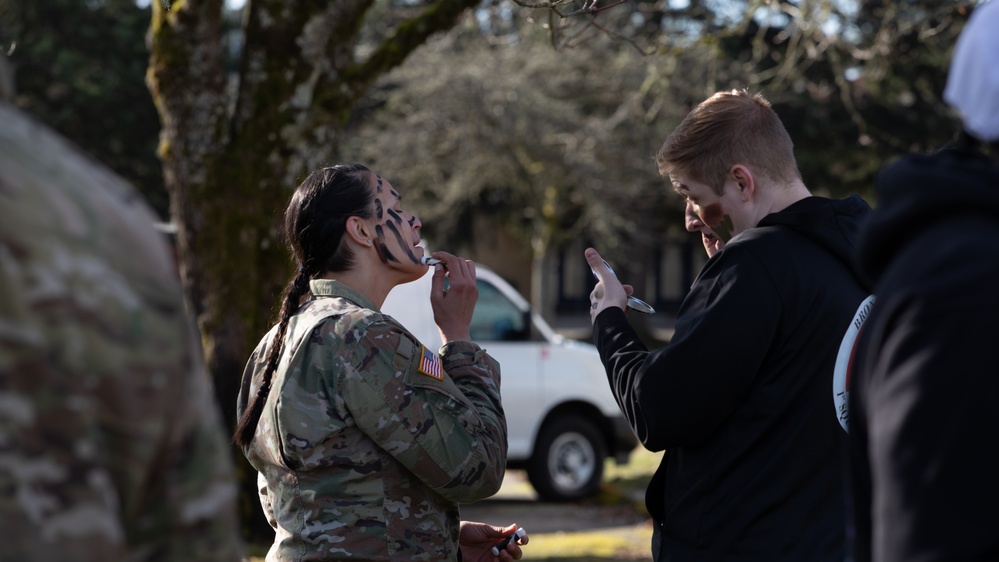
[(229, 173)]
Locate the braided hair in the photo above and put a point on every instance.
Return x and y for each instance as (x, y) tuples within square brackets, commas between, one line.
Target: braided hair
[(314, 225)]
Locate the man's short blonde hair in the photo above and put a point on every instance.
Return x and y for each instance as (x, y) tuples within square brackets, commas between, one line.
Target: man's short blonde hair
[(729, 128)]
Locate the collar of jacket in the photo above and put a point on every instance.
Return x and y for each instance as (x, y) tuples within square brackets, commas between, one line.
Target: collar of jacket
[(322, 288)]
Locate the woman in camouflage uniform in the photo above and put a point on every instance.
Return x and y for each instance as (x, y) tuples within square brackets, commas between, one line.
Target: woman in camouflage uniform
[(365, 440)]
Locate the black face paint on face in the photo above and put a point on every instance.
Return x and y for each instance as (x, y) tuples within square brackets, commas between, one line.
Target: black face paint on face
[(383, 251), (713, 216), (391, 220), (724, 229), (378, 188), (402, 244)]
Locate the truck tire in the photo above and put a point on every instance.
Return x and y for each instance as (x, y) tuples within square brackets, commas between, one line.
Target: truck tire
[(568, 459)]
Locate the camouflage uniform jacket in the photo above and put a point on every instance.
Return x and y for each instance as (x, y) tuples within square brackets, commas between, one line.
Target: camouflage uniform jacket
[(368, 441), (111, 443)]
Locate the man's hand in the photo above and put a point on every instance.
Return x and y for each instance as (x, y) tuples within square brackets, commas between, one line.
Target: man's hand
[(609, 291), (477, 540)]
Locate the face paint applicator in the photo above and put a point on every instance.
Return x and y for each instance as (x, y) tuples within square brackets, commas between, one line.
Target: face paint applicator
[(634, 303)]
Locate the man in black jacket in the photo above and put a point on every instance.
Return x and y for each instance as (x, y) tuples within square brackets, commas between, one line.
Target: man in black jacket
[(925, 401), (742, 397)]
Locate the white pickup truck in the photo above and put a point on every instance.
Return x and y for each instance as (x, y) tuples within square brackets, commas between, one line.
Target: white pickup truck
[(562, 419)]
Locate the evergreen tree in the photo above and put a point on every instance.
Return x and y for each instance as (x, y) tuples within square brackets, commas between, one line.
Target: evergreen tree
[(79, 66)]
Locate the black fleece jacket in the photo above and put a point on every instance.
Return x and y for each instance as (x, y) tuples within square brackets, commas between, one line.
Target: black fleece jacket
[(925, 395), (742, 397)]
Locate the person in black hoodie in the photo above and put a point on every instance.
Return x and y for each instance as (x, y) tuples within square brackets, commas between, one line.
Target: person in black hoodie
[(742, 397), (925, 391)]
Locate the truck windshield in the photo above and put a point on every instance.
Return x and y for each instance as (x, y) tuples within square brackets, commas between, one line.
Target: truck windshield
[(496, 318)]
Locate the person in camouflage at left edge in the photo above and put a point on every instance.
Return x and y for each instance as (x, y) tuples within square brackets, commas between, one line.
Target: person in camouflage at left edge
[(111, 445), (365, 440)]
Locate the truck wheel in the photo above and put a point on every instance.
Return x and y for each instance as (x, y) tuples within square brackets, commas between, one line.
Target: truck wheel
[(568, 459)]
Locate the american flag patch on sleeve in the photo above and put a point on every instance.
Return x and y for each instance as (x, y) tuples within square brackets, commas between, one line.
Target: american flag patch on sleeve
[(430, 364)]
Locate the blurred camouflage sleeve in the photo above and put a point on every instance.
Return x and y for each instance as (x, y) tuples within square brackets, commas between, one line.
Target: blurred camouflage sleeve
[(111, 447), (450, 427)]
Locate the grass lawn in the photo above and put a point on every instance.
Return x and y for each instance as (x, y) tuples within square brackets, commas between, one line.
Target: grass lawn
[(623, 486), (623, 491)]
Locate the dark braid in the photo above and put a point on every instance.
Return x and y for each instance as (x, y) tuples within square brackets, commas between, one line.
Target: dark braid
[(314, 224)]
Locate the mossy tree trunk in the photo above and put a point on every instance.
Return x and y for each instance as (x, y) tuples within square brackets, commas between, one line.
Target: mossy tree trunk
[(232, 154)]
